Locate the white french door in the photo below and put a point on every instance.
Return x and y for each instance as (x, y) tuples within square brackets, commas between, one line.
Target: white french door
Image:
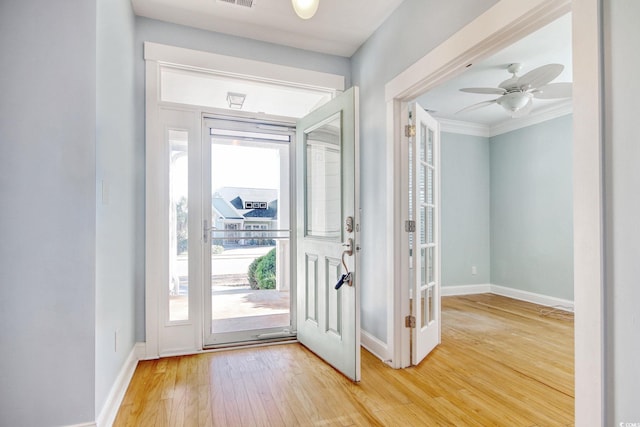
[(424, 208), (328, 233)]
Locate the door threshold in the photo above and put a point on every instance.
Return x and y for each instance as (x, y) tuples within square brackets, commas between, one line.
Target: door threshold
[(252, 343)]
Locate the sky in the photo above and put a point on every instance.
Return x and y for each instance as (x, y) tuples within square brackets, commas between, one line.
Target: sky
[(234, 166), (249, 167)]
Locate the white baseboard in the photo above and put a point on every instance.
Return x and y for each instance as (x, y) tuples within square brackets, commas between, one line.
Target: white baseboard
[(83, 425), (110, 409), (518, 294), (465, 289), (141, 351), (535, 298), (375, 346)]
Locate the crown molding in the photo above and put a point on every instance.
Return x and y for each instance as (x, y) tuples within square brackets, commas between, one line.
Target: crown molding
[(558, 110), (508, 125), (465, 128)]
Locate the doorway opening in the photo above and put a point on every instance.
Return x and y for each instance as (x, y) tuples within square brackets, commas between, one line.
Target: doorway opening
[(247, 210)]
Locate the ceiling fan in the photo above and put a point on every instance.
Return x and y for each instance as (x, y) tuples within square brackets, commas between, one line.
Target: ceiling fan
[(517, 93)]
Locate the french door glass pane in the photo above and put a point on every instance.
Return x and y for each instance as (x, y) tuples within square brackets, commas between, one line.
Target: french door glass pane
[(429, 159), (430, 315), (422, 184), (178, 225), (429, 265), (423, 143), (430, 224), (424, 307), (423, 223), (430, 186)]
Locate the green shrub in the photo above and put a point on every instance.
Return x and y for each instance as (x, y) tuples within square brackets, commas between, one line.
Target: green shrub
[(262, 271), (251, 273)]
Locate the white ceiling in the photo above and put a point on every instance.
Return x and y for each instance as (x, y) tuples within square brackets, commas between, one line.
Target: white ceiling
[(339, 26), (551, 44)]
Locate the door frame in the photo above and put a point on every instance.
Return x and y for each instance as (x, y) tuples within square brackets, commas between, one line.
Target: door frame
[(500, 26), (190, 339)]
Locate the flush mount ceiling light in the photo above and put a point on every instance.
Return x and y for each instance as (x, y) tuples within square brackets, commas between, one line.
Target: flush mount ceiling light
[(235, 100), (305, 9)]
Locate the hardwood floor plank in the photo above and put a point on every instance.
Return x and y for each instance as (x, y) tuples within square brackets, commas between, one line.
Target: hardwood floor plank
[(501, 362)]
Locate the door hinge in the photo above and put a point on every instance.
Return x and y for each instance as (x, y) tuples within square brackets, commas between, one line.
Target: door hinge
[(410, 322), (410, 226), (409, 131)]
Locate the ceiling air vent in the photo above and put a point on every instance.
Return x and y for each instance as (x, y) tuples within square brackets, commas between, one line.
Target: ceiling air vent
[(245, 3)]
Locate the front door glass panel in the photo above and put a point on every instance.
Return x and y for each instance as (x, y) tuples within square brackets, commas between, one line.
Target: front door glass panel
[(249, 234), (322, 183)]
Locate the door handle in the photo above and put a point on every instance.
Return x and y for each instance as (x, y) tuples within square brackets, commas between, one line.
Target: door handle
[(349, 245), (347, 276)]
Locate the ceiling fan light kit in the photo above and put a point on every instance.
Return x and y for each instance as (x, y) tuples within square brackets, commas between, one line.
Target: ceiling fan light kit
[(514, 101), (517, 93), (305, 9)]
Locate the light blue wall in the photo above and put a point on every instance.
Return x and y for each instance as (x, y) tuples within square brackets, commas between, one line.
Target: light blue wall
[(414, 29), (191, 38), (465, 207), (622, 211), (47, 188), (119, 235), (532, 209)]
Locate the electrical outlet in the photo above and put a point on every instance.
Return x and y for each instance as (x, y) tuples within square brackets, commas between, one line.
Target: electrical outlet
[(474, 270)]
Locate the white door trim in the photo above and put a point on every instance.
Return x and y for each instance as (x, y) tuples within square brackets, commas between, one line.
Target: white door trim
[(155, 227), (503, 24), (241, 67)]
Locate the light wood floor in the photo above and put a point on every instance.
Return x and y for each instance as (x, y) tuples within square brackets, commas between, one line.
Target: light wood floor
[(501, 363)]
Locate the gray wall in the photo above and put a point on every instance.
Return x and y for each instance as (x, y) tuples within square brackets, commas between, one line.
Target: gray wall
[(414, 29), (119, 226), (191, 38), (465, 207), (47, 188), (622, 210), (532, 209)]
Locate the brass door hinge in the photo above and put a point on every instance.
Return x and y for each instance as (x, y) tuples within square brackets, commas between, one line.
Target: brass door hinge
[(410, 226), (410, 322), (409, 131)]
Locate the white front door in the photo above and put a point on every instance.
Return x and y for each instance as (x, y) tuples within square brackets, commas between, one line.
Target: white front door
[(425, 204), (328, 233)]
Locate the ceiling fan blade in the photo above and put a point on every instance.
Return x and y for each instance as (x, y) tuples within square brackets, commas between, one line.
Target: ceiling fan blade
[(554, 90), (476, 106), (484, 90), (524, 110), (540, 76)]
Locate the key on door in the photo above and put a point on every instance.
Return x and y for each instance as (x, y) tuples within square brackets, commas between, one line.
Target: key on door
[(344, 278)]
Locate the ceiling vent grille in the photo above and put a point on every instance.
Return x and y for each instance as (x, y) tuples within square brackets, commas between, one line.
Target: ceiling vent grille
[(245, 3)]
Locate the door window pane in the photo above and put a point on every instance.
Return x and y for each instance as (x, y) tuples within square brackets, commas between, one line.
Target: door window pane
[(429, 265), (322, 183), (430, 186), (422, 184), (423, 143), (178, 225), (424, 307), (430, 314), (430, 224), (429, 147)]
